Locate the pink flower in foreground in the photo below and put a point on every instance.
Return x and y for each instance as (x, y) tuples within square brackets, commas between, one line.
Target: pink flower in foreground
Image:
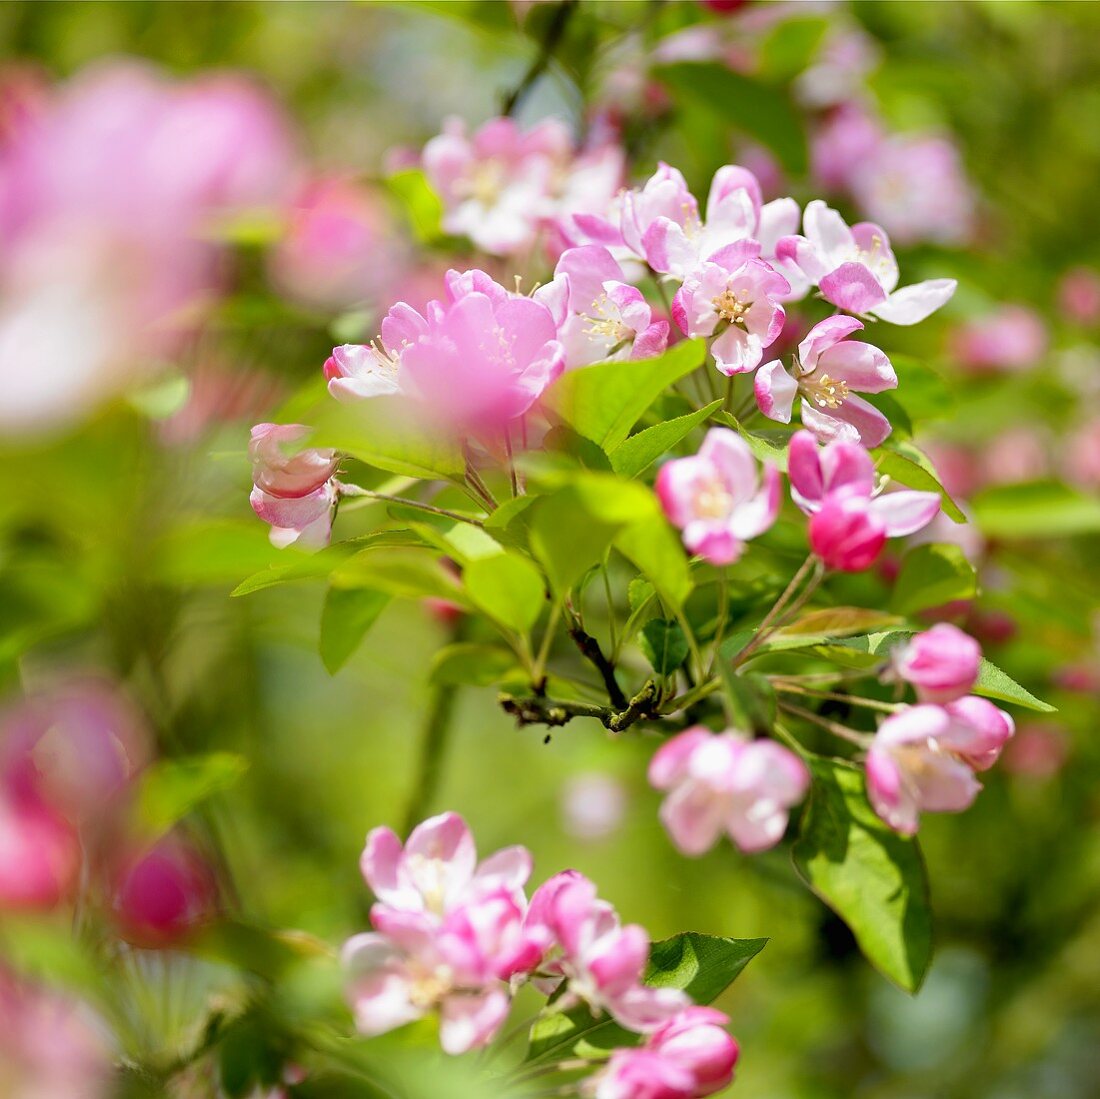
[(39, 854), (437, 868), (979, 731), (719, 498), (827, 373), (293, 490), (688, 1057), (914, 766), (724, 783), (605, 317), (1012, 337), (737, 301), (942, 663), (600, 959), (849, 522), (855, 269)]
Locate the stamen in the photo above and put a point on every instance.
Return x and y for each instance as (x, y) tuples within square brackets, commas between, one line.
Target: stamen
[(729, 308), (825, 392)]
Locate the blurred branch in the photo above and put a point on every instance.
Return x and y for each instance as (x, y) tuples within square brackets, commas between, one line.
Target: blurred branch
[(535, 710), (550, 42), (437, 726)]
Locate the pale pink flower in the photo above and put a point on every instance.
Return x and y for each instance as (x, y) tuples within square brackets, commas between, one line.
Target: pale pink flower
[(737, 302), (942, 663), (840, 68), (827, 372), (841, 466), (854, 268), (1079, 295), (293, 490), (496, 185), (690, 1056), (979, 731), (1082, 455), (437, 868), (914, 185), (600, 959), (605, 318), (849, 136), (1014, 455), (911, 768), (592, 805), (1012, 337), (719, 498), (358, 371), (725, 783), (1038, 751)]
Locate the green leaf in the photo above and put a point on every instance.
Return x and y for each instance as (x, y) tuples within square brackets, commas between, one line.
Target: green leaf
[(409, 573), (603, 402), (171, 788), (703, 966), (1038, 509), (873, 878), (923, 393), (664, 645), (904, 463), (421, 205), (658, 552), (931, 575), (790, 46), (751, 699), (840, 622), (994, 683), (383, 433), (347, 615), (640, 451), (767, 446), (506, 587), (473, 664), (763, 112)]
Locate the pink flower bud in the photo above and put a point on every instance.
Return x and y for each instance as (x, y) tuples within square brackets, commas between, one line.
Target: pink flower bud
[(163, 894), (281, 469), (979, 730), (845, 532), (942, 663)]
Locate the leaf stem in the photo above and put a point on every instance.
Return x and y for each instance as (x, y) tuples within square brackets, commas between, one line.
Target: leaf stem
[(861, 740), (772, 619), (404, 501), (835, 696)]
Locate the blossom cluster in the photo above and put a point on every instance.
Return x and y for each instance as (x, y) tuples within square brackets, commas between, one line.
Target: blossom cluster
[(457, 937)]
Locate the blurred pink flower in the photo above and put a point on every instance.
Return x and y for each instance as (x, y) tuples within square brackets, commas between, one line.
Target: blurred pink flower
[(1082, 455), (39, 854), (725, 783), (1013, 337), (855, 269), (1037, 751), (719, 498), (592, 805), (848, 137), (827, 371), (1079, 295), (942, 663)]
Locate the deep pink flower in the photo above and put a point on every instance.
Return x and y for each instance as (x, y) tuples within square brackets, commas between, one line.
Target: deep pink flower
[(816, 473), (911, 768), (39, 854), (737, 301), (855, 269), (604, 317), (845, 532), (600, 959), (437, 868), (293, 490), (724, 783), (828, 371), (719, 498), (1012, 337), (942, 663)]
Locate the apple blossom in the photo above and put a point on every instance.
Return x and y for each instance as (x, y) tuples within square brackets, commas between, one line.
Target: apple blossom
[(39, 854), (942, 663), (737, 301), (719, 498), (911, 768), (979, 730), (1012, 337), (828, 371), (855, 269), (1079, 295), (726, 783), (845, 532)]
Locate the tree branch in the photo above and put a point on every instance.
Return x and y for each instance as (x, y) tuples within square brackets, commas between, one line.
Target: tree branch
[(533, 710), (591, 651), (550, 42)]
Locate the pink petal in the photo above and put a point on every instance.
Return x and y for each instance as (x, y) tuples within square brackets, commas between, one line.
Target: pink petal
[(855, 420), (775, 391), (852, 287), (470, 1021), (912, 304), (757, 515), (906, 511), (863, 367), (671, 761), (827, 229), (693, 817), (822, 336)]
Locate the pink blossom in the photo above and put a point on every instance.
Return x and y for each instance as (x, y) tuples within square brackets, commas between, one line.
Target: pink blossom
[(736, 301), (855, 269), (817, 473), (295, 492), (1038, 751), (1014, 455), (719, 498), (1013, 337), (600, 959), (845, 531), (1082, 455), (915, 185), (1079, 295), (496, 185), (359, 371), (39, 854), (942, 663), (163, 894), (849, 136), (827, 372), (593, 805), (605, 318), (339, 247), (839, 70), (642, 1074), (437, 868), (911, 768), (725, 783), (978, 732)]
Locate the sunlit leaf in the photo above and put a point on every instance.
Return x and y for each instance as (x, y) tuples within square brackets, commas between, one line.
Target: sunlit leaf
[(346, 617), (172, 788), (931, 575), (639, 451)]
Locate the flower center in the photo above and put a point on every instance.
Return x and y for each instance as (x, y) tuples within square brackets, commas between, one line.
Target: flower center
[(712, 501), (730, 308), (605, 322), (825, 392), (430, 878), (386, 361), (484, 183), (428, 986)]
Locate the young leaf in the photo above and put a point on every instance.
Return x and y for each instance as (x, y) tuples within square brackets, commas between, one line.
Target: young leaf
[(1039, 509), (171, 788), (506, 587), (472, 664), (904, 463), (768, 446), (664, 645), (994, 683), (702, 965), (346, 617), (603, 402), (931, 575), (873, 878), (410, 573), (839, 622), (657, 551), (421, 205), (640, 451)]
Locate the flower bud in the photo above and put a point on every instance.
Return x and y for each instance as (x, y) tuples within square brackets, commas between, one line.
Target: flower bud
[(845, 533), (979, 730), (942, 663)]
